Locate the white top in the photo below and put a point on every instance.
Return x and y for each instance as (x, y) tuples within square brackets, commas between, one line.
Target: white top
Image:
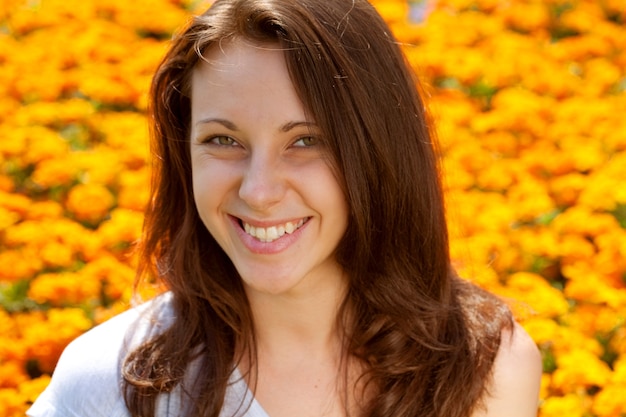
[(87, 381)]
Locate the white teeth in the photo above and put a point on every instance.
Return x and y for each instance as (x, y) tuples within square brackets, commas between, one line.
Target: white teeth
[(272, 233)]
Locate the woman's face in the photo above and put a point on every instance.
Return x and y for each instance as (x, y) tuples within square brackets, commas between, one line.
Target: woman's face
[(262, 181)]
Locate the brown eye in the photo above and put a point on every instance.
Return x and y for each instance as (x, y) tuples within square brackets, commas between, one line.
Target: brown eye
[(306, 141), (222, 141)]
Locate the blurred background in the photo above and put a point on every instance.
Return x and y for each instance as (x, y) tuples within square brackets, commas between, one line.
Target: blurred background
[(529, 101)]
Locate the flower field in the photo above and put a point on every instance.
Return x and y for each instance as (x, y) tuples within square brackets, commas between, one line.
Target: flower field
[(529, 98)]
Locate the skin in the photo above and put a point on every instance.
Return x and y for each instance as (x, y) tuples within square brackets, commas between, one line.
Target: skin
[(257, 159), (516, 378)]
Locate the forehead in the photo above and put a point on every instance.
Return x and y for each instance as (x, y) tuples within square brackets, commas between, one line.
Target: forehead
[(241, 60), (237, 78)]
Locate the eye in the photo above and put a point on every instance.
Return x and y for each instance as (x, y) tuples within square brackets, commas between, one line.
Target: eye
[(306, 141), (222, 141)]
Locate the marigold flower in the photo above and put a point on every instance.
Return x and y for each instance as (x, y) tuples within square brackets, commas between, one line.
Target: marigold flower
[(44, 210), (532, 146), (565, 189), (7, 218), (55, 173), (526, 17), (18, 264), (542, 330), (122, 228), (579, 368), (31, 389), (90, 202), (392, 10), (43, 143), (610, 401), (570, 405), (45, 336), (532, 289), (12, 374), (64, 288), (134, 191), (12, 404), (117, 277)]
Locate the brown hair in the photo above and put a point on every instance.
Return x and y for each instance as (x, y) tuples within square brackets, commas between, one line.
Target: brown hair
[(427, 338)]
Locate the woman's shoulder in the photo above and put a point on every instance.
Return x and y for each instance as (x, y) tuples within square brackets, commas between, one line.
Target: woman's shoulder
[(516, 377), (87, 378), (516, 368)]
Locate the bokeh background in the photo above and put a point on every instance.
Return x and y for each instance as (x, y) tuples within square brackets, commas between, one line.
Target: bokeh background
[(530, 104)]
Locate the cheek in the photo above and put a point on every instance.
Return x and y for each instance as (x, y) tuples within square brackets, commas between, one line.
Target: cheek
[(210, 186)]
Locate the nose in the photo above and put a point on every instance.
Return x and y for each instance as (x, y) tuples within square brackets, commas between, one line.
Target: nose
[(263, 184)]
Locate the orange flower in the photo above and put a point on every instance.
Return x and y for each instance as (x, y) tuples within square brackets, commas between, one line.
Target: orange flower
[(90, 202), (65, 288), (570, 405), (579, 368), (46, 335), (12, 374), (532, 289), (55, 172), (610, 401)]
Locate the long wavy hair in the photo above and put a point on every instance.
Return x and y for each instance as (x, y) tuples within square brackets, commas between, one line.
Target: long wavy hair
[(426, 338)]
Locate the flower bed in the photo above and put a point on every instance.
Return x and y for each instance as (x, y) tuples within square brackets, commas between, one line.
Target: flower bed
[(529, 100)]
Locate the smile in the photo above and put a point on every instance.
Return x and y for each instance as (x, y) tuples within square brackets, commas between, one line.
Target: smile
[(270, 234)]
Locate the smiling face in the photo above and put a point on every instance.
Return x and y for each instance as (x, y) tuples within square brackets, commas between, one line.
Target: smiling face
[(262, 181)]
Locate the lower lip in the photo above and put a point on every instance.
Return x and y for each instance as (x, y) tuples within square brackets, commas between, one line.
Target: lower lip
[(254, 245)]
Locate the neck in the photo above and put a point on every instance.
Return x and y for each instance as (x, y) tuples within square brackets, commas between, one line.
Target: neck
[(301, 323)]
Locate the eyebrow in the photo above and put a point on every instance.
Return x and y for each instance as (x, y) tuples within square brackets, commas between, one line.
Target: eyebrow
[(292, 125), (226, 123), (231, 126)]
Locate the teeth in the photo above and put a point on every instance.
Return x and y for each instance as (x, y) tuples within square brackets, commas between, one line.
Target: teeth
[(272, 233)]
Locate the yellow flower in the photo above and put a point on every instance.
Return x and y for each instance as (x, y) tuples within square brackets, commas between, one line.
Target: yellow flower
[(12, 374), (90, 202), (64, 288), (31, 389), (117, 277), (19, 264), (11, 403), (594, 319), (587, 284), (526, 17), (16, 203), (54, 172), (7, 218), (134, 191), (542, 330), (123, 228), (56, 113), (610, 401), (570, 405), (392, 10), (44, 210), (579, 368), (533, 290), (46, 335), (42, 143), (565, 189)]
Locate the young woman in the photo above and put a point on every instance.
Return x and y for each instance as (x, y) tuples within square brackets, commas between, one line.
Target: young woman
[(297, 220)]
